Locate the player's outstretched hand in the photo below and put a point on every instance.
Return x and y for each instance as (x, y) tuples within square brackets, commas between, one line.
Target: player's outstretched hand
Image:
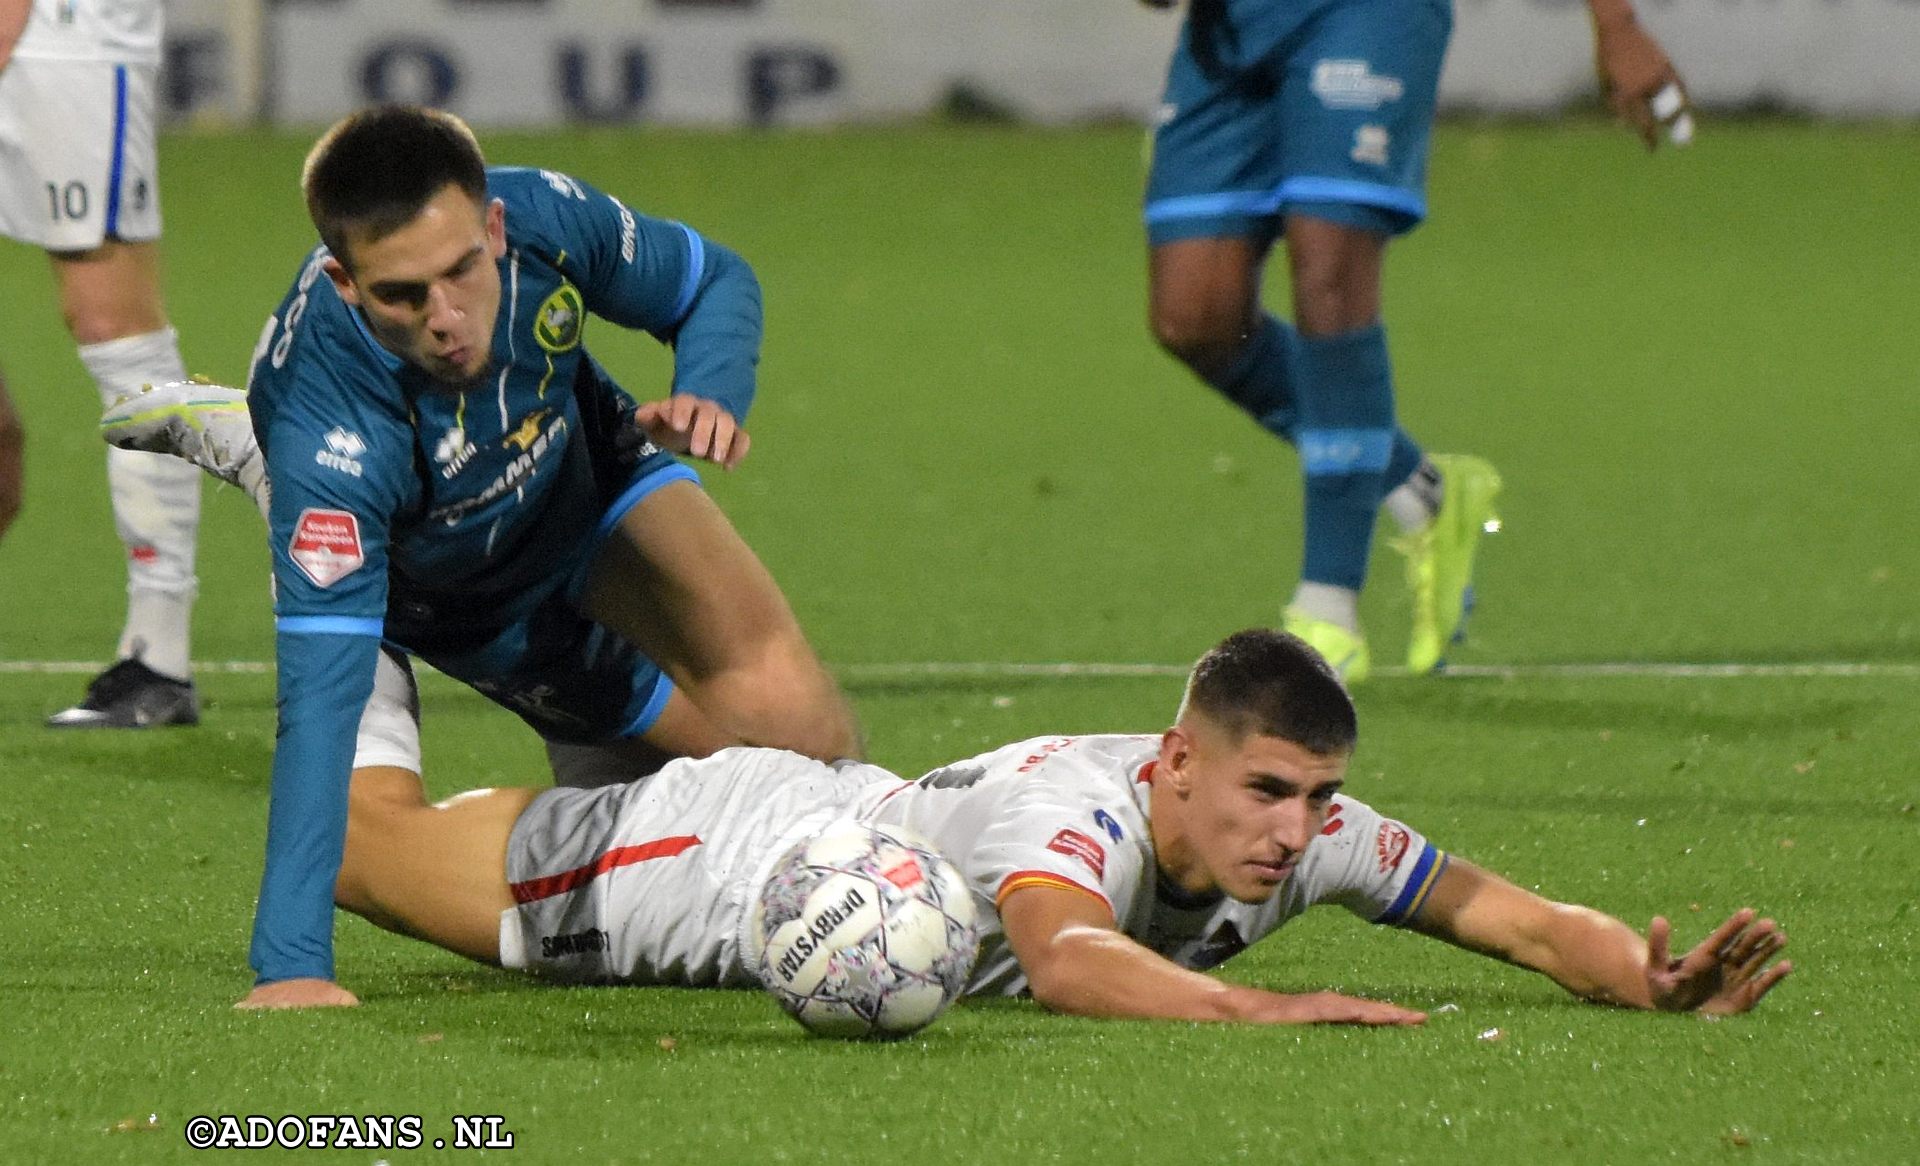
[(1727, 972), (1640, 84), (303, 993), (684, 423), (1330, 1008)]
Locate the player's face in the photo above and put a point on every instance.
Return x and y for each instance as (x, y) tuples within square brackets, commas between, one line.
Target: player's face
[(1245, 809), (431, 290)]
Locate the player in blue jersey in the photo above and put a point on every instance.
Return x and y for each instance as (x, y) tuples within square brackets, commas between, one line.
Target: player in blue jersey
[(1308, 120), (453, 474)]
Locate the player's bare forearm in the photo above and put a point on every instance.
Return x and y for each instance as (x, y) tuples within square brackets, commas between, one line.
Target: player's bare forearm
[(1100, 972), (1598, 957), (1096, 971), (1077, 963), (1590, 954)]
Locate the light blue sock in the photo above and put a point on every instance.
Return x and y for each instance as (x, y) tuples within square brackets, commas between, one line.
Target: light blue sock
[(1260, 382), (1347, 437)]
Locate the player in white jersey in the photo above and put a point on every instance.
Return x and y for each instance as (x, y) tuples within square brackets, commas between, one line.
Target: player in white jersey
[(1117, 867), (77, 179)]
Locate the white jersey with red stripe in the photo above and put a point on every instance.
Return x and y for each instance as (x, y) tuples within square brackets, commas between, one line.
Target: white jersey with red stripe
[(1072, 812), (654, 882), (125, 32)]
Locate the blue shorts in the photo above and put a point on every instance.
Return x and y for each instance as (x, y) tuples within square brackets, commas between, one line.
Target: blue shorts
[(568, 677), (1317, 106)]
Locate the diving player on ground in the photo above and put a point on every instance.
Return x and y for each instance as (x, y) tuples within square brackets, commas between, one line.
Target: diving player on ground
[(1116, 867)]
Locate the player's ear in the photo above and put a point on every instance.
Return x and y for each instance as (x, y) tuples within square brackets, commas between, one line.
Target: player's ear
[(1176, 750), (496, 228), (342, 280)]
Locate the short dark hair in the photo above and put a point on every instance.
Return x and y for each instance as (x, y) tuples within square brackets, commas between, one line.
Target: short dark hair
[(374, 171), (1272, 683)]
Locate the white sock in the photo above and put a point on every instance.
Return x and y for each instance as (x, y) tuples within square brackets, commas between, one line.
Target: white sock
[(1413, 503), (156, 507), (1324, 601)]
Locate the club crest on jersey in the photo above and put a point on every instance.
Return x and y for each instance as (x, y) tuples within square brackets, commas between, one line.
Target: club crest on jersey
[(1390, 845), (1074, 844), (326, 546), (560, 320)]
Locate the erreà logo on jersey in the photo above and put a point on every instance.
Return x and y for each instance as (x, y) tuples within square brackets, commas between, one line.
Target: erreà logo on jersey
[(559, 322), (343, 451), (326, 546)]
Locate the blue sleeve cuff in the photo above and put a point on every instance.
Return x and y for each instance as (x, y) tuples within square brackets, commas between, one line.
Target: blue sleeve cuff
[(1413, 896)]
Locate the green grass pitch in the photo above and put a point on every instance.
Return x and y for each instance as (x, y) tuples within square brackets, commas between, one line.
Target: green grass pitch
[(1697, 372)]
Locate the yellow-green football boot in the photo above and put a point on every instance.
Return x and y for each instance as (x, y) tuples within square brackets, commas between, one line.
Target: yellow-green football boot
[(1344, 650), (1440, 558)]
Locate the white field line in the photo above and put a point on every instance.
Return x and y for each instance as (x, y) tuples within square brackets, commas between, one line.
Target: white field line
[(1008, 670)]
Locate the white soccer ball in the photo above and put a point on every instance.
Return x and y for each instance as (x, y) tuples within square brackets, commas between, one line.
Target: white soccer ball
[(864, 931)]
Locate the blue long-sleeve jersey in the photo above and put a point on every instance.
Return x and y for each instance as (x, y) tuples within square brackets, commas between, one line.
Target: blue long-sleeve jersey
[(405, 510)]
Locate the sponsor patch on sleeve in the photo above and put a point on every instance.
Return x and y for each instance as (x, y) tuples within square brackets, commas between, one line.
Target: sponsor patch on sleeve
[(1074, 844), (1391, 845), (326, 546)]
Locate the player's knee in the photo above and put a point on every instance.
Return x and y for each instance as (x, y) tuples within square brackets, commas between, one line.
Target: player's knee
[(1336, 284), (1204, 337), (1325, 305), (785, 699)]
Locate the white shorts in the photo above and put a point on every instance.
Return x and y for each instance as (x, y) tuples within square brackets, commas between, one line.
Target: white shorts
[(77, 153), (653, 882)]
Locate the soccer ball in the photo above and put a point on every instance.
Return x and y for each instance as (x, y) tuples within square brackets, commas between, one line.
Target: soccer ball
[(864, 931)]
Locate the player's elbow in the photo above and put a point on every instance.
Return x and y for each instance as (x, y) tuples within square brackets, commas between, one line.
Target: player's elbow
[(1051, 980), (1073, 976)]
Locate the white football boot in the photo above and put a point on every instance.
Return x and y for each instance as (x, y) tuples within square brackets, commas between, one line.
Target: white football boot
[(204, 423)]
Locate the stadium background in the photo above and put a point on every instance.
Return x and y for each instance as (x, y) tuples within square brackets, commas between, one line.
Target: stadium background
[(1692, 684)]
